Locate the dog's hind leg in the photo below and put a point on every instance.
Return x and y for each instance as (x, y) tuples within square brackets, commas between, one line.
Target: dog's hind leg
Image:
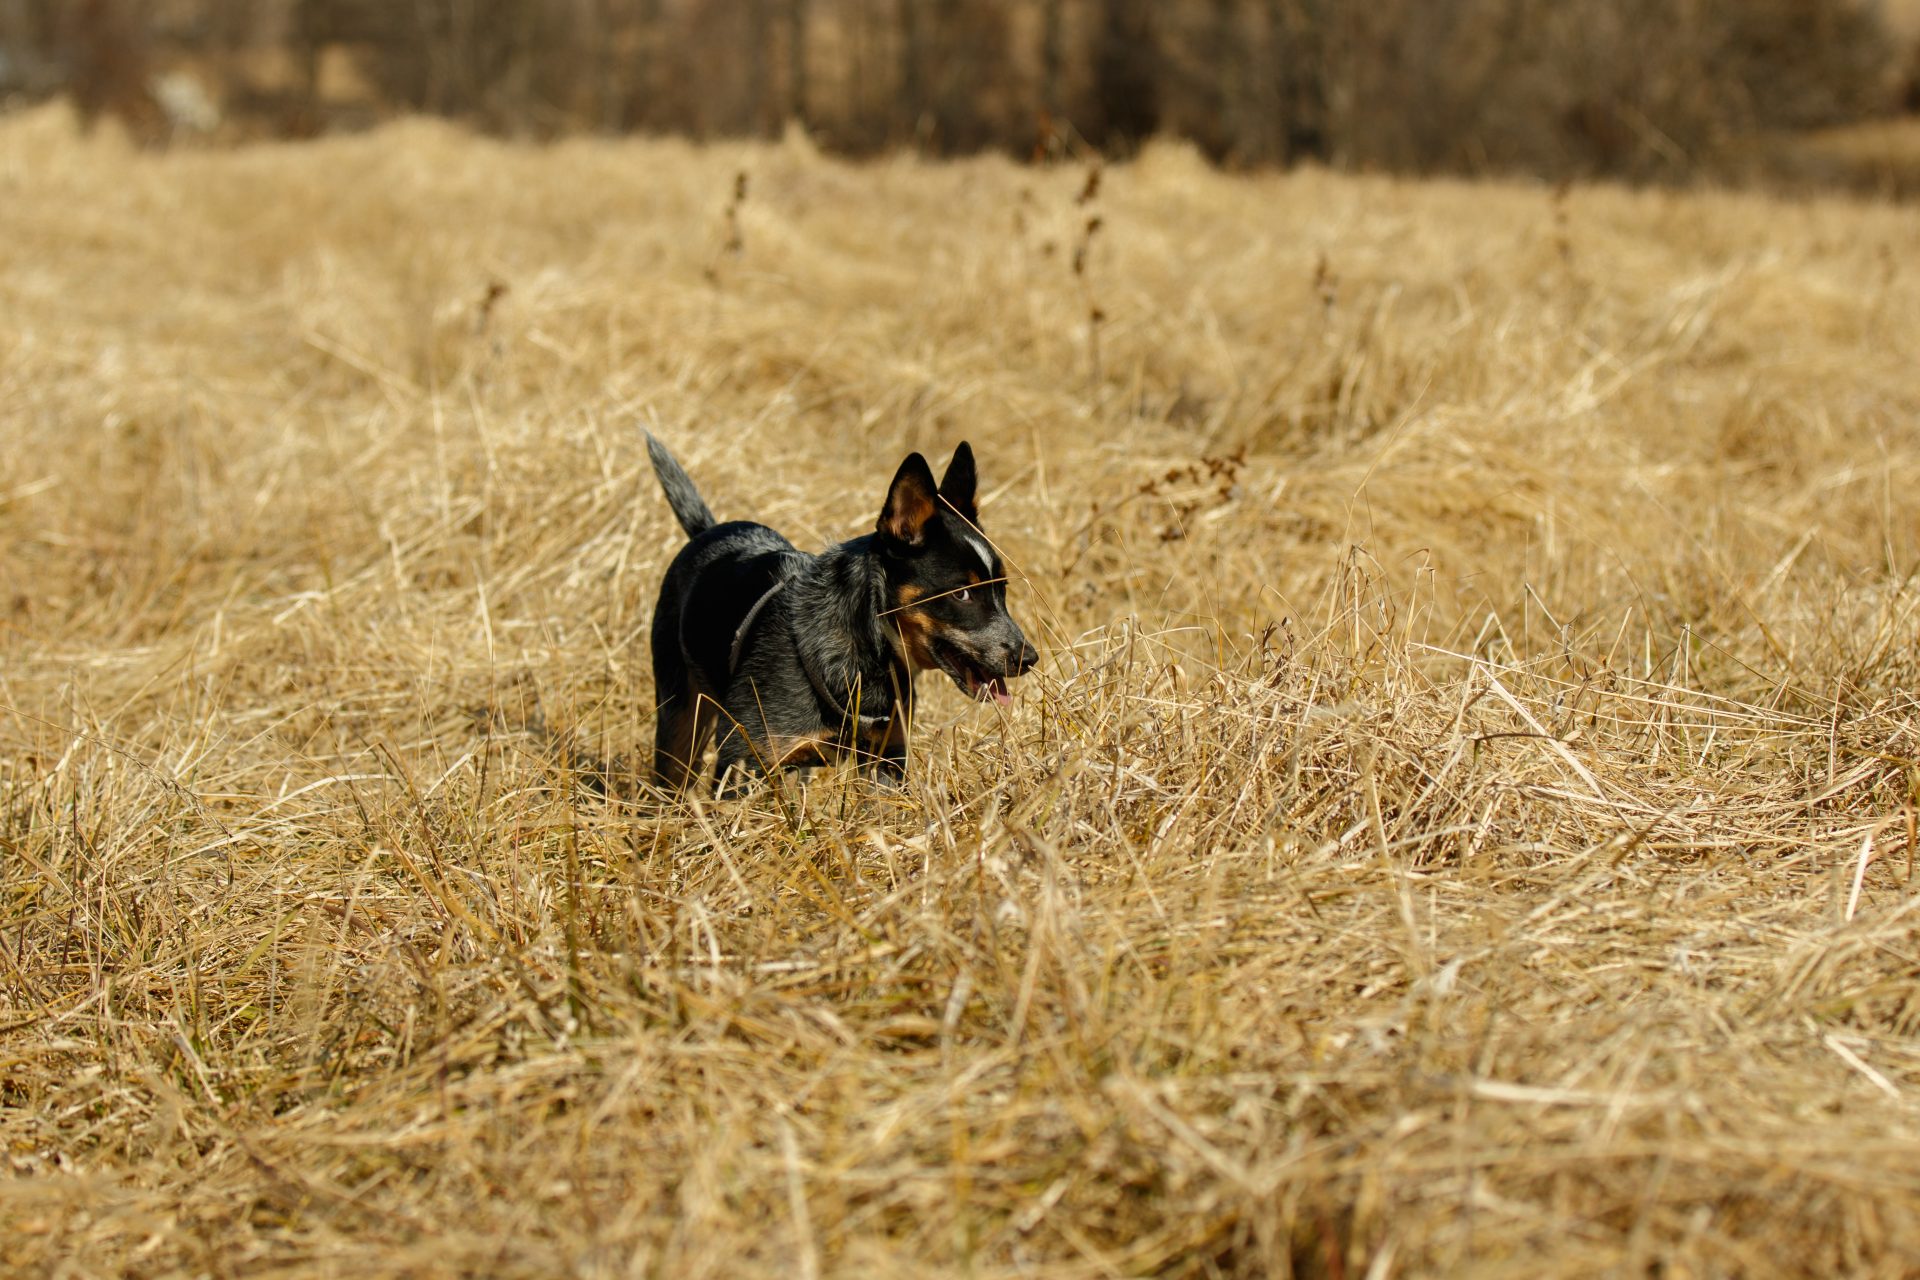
[(682, 727), (684, 718)]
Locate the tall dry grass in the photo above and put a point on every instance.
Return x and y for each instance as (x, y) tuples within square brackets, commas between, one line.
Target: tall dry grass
[(1463, 823)]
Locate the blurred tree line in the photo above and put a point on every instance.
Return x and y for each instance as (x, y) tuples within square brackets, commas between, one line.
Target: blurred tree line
[(1549, 86)]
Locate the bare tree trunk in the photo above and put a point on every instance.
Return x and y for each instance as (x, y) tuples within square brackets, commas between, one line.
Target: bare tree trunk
[(108, 69), (1274, 75), (1297, 52), (1228, 87), (640, 108), (603, 106), (1127, 72), (759, 37), (1051, 56), (913, 94), (797, 60)]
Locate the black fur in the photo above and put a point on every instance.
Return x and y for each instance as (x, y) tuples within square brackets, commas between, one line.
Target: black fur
[(689, 508), (798, 659)]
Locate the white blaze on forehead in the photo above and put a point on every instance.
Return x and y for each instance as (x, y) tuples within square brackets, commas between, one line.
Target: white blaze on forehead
[(980, 549)]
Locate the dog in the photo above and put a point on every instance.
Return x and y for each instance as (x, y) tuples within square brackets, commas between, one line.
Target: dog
[(802, 660)]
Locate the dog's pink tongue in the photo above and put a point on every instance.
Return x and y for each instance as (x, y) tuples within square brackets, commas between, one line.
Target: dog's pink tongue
[(998, 688)]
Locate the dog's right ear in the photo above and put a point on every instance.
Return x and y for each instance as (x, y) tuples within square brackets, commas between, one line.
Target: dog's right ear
[(910, 502), (957, 485)]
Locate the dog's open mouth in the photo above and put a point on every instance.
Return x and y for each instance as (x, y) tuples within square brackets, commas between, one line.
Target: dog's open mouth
[(974, 680)]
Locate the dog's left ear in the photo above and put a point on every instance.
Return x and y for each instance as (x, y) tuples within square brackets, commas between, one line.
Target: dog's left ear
[(910, 502), (957, 485)]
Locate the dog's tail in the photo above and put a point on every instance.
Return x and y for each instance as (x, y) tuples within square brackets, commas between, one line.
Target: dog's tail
[(688, 506)]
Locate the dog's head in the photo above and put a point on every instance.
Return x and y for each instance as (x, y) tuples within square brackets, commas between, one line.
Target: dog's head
[(948, 590)]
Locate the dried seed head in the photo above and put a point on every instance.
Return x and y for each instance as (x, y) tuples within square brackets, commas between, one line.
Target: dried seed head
[(1091, 190)]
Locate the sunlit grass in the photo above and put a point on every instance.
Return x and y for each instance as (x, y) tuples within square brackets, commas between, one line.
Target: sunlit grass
[(1463, 821)]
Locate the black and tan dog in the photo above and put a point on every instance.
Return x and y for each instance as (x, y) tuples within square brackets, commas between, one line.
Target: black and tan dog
[(804, 659)]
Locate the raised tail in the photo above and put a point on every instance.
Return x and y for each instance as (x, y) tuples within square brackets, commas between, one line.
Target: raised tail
[(688, 506)]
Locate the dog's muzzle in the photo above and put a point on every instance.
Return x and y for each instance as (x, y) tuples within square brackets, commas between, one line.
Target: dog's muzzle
[(983, 673)]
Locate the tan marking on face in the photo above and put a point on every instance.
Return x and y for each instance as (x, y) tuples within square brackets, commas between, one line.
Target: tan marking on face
[(916, 629)]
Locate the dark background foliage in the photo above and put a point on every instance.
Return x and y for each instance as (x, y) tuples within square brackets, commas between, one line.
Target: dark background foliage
[(1644, 88)]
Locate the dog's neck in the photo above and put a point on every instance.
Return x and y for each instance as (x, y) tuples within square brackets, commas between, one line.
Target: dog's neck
[(837, 615)]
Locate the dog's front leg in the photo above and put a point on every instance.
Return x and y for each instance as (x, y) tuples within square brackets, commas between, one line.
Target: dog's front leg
[(736, 765), (889, 763)]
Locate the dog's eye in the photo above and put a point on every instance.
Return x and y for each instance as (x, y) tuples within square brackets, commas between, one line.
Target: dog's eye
[(964, 595)]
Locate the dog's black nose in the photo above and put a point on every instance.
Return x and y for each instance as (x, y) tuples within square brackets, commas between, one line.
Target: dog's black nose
[(1025, 659)]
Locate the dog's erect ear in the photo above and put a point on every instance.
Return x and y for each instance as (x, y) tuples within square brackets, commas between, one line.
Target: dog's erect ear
[(957, 485), (910, 502)]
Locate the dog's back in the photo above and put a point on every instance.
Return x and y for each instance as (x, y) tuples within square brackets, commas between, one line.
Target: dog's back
[(712, 585)]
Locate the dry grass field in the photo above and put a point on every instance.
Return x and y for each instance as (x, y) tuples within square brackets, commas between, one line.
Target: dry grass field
[(1463, 822)]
